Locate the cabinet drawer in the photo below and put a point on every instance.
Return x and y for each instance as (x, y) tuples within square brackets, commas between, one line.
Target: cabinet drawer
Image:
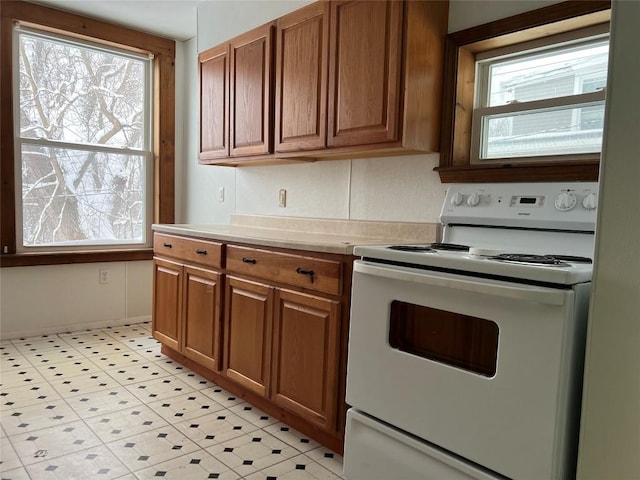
[(189, 250), (297, 270)]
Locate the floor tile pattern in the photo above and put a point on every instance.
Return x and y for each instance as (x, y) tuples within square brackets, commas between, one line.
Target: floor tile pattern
[(106, 404)]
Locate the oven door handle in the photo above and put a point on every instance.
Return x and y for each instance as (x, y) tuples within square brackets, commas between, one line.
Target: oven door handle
[(548, 296)]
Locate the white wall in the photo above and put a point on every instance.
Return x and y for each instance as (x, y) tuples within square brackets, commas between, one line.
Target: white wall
[(198, 191), (610, 436), (59, 298), (220, 20), (469, 13)]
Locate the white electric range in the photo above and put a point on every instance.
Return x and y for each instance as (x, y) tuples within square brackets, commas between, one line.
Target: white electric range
[(466, 356)]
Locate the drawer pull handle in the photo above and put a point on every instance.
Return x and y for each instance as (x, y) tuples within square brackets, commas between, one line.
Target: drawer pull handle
[(305, 272), (252, 261), (201, 252), (167, 245)]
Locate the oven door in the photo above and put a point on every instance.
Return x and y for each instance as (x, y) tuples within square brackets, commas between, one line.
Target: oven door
[(483, 368)]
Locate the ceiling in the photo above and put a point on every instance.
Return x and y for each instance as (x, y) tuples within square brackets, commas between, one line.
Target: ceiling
[(176, 19)]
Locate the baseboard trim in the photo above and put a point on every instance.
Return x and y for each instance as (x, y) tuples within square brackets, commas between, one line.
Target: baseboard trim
[(72, 327)]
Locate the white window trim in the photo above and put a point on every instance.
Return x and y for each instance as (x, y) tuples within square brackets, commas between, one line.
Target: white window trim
[(146, 151)]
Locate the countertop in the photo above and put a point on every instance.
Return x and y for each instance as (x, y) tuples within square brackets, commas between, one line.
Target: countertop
[(341, 242)]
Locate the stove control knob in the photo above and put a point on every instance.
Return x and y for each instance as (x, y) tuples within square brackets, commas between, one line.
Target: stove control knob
[(473, 200), (565, 201), (457, 199), (590, 202)]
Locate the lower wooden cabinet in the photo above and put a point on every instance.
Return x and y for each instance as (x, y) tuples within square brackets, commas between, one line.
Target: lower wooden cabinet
[(268, 325), (288, 353), (201, 316), (187, 297), (167, 302), (248, 324), (306, 356), (186, 310)]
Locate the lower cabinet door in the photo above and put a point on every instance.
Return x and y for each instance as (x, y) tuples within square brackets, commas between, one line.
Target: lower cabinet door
[(201, 318), (248, 328), (167, 302), (305, 359)]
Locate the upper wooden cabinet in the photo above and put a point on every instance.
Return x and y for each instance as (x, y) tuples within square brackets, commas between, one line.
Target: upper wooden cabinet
[(352, 79), (214, 103), (251, 92), (301, 79), (365, 67), (236, 97)]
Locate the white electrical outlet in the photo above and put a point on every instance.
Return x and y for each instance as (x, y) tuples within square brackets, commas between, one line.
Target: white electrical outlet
[(221, 194), (282, 198), (105, 276)]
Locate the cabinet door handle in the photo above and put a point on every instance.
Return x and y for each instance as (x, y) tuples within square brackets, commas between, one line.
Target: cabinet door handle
[(252, 261), (301, 271), (167, 245), (201, 252)]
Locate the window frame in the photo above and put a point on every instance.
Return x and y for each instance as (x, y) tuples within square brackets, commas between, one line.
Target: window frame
[(550, 45), (459, 94), (162, 142)]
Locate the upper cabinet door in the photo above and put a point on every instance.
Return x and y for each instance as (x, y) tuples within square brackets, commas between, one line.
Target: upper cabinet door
[(251, 92), (364, 72), (214, 103), (301, 79)]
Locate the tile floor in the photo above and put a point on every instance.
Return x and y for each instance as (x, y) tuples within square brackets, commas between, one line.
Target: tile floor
[(105, 404)]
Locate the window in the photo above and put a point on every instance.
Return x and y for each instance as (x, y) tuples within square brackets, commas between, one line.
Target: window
[(523, 97), (541, 103), (87, 150), (82, 144)]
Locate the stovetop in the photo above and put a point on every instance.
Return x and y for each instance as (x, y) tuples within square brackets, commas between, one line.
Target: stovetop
[(483, 222), (563, 270)]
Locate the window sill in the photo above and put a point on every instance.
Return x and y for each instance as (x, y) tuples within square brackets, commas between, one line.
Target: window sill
[(585, 171), (63, 258)]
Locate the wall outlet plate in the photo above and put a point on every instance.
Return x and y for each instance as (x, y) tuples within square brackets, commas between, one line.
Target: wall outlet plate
[(105, 276)]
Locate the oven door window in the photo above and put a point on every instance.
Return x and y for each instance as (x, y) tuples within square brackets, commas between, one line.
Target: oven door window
[(454, 339)]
